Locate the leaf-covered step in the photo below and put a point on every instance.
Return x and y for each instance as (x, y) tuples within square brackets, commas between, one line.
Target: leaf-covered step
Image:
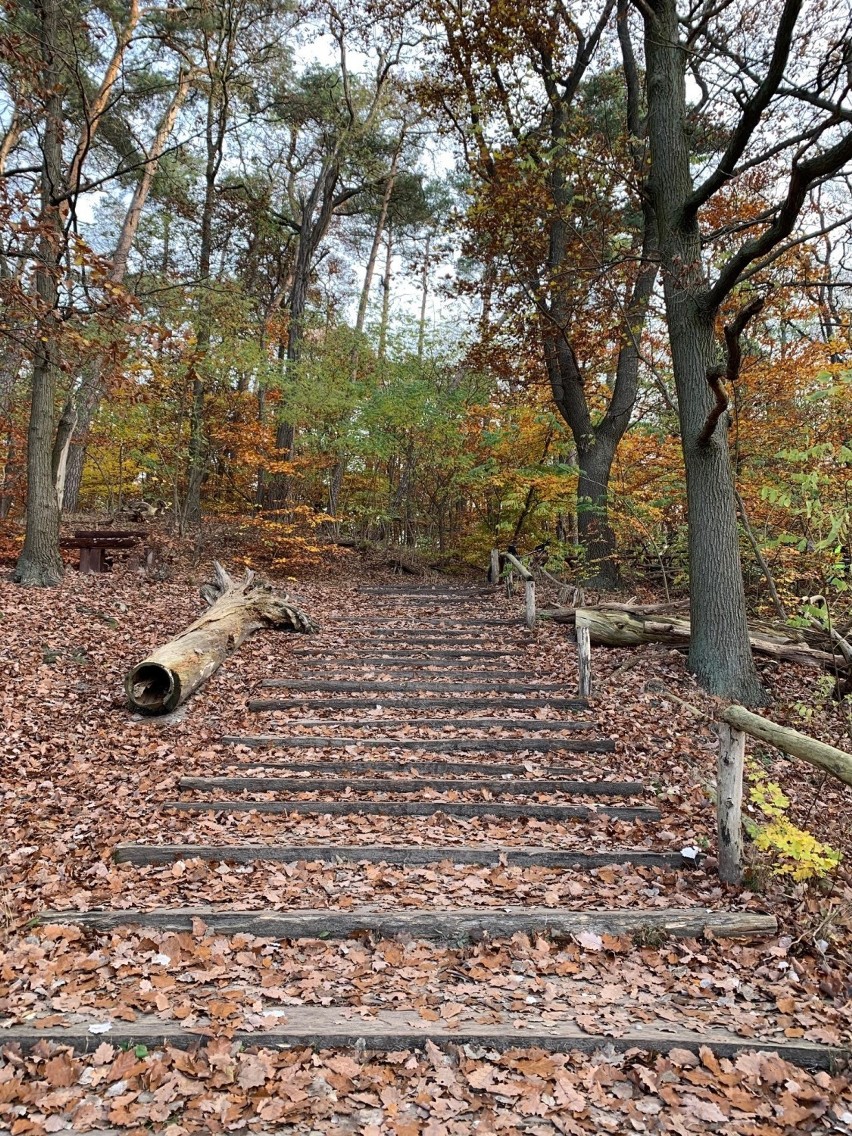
[(414, 766), (403, 685), (427, 745), (515, 786), (412, 703), (454, 723), (388, 1031), (414, 855), (449, 808), (470, 923)]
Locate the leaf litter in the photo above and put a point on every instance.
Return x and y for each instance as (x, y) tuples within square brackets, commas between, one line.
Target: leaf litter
[(80, 775)]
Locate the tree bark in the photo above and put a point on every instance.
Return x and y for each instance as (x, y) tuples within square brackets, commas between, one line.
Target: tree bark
[(719, 653), (237, 609), (386, 283), (377, 238), (40, 562)]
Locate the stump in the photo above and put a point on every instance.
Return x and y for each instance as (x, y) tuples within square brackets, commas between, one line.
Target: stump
[(237, 609)]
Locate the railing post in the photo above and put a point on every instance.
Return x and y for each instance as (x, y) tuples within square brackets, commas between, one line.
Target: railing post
[(494, 572), (529, 595), (729, 802), (584, 661)]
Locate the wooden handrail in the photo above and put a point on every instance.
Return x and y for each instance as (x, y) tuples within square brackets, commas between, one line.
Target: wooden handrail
[(526, 576), (518, 566)]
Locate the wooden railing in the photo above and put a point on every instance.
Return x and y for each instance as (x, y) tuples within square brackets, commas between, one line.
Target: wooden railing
[(529, 588), (735, 722)]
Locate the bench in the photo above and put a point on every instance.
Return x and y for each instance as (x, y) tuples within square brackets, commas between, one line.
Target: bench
[(94, 543)]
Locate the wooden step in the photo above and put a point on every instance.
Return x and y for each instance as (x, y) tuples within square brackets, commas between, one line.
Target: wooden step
[(427, 745), (515, 786), (413, 855), (365, 765), (408, 673), (462, 662), (409, 703), (403, 685), (417, 654), (389, 1031), (413, 642), (421, 590), (454, 924), (455, 723), (419, 623), (468, 811)]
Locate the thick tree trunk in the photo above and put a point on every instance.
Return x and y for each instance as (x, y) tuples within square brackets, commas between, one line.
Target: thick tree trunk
[(238, 609), (593, 526), (719, 653), (40, 562)]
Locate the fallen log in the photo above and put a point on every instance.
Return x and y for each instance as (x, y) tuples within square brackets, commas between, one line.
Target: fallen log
[(236, 610), (608, 628)]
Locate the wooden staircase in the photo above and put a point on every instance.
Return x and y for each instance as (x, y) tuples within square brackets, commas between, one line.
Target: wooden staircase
[(461, 690)]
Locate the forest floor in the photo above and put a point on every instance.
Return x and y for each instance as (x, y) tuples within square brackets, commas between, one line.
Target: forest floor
[(80, 774)]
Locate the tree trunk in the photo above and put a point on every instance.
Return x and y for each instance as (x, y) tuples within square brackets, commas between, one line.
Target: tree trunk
[(424, 296), (386, 282), (593, 527), (377, 239), (40, 562), (719, 653), (237, 609)]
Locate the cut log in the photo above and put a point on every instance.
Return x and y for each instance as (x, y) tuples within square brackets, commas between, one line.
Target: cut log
[(237, 609), (406, 855), (389, 1031), (454, 924), (630, 629)]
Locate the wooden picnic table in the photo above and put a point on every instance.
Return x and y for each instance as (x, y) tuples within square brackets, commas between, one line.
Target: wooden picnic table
[(93, 543)]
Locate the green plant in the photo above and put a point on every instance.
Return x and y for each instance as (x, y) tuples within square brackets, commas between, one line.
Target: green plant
[(797, 853)]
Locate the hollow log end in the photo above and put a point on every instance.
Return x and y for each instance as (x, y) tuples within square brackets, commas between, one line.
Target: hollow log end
[(153, 688)]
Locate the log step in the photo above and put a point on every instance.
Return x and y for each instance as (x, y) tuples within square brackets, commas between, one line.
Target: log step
[(417, 654), (450, 704), (464, 662), (142, 854), (420, 590), (403, 685), (512, 787), (436, 600), (412, 641), (414, 766), (389, 1031), (454, 723), (428, 745), (456, 924), (407, 670), (465, 810), (454, 625)]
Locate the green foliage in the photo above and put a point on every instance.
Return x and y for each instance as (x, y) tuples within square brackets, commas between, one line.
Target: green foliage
[(796, 852)]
